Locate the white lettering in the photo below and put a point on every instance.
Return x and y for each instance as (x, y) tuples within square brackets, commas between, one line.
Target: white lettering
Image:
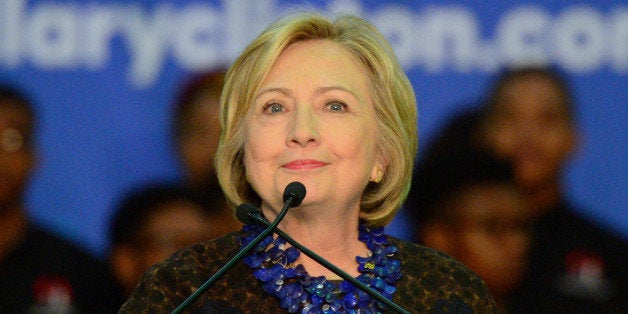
[(521, 36), (147, 37), (579, 39), (244, 20), (396, 24), (11, 16), (449, 33), (54, 35), (197, 35), (197, 39), (101, 25), (346, 6), (619, 40)]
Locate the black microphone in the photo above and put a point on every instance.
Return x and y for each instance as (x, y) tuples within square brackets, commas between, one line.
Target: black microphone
[(248, 213), (293, 195)]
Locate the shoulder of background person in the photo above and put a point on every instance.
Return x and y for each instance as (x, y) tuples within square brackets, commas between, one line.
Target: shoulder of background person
[(48, 260), (567, 224)]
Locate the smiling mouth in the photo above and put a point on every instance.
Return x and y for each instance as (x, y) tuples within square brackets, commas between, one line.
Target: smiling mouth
[(303, 164)]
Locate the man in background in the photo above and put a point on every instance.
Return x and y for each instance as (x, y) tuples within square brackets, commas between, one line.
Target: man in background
[(39, 272), (151, 223), (576, 266), (465, 203), (196, 131)]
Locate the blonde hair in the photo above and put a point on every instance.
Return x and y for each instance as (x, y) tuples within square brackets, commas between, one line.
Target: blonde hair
[(392, 95)]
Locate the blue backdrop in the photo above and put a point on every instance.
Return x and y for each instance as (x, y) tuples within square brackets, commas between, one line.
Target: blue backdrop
[(103, 74)]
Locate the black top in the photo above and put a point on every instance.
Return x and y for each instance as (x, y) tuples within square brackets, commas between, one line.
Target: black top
[(576, 267), (431, 282), (46, 274)]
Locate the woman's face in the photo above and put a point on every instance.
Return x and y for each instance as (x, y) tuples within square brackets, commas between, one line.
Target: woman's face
[(312, 121)]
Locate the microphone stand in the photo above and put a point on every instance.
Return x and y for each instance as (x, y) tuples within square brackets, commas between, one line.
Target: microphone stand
[(289, 199), (253, 213)]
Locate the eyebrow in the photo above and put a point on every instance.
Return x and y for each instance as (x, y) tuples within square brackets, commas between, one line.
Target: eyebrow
[(322, 90), (279, 90), (319, 90)]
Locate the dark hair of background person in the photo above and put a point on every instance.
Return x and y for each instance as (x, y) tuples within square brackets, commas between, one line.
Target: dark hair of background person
[(507, 75), (12, 96), (151, 222), (138, 205), (438, 180), (433, 179), (40, 271), (452, 162)]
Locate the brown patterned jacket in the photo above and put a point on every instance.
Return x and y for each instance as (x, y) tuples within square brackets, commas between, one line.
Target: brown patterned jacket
[(431, 282)]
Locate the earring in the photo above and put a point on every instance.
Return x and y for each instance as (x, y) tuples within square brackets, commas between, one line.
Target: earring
[(378, 177)]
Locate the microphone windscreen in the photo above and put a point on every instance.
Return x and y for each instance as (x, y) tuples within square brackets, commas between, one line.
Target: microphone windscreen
[(242, 212), (296, 190)]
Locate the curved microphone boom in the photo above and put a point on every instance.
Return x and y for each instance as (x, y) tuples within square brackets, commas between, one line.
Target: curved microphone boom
[(293, 195), (248, 213)]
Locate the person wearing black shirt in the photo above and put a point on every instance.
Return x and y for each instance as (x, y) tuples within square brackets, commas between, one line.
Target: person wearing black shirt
[(576, 266), (39, 272)]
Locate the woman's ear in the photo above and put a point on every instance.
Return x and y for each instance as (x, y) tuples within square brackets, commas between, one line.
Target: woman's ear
[(379, 169), (377, 173)]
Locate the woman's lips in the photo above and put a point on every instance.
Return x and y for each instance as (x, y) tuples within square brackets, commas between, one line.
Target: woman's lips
[(304, 164)]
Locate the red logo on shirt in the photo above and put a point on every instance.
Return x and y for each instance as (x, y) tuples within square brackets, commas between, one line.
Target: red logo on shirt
[(51, 292)]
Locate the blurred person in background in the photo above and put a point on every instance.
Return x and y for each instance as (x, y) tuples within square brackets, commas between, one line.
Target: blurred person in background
[(465, 203), (151, 222), (39, 272), (196, 131), (576, 266)]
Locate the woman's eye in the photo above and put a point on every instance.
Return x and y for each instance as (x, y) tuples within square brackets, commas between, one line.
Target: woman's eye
[(273, 108), (337, 106)]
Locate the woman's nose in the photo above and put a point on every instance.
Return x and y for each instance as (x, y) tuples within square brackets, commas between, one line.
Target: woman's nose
[(303, 128)]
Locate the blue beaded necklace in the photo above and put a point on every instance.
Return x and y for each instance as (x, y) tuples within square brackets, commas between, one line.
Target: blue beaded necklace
[(273, 264)]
